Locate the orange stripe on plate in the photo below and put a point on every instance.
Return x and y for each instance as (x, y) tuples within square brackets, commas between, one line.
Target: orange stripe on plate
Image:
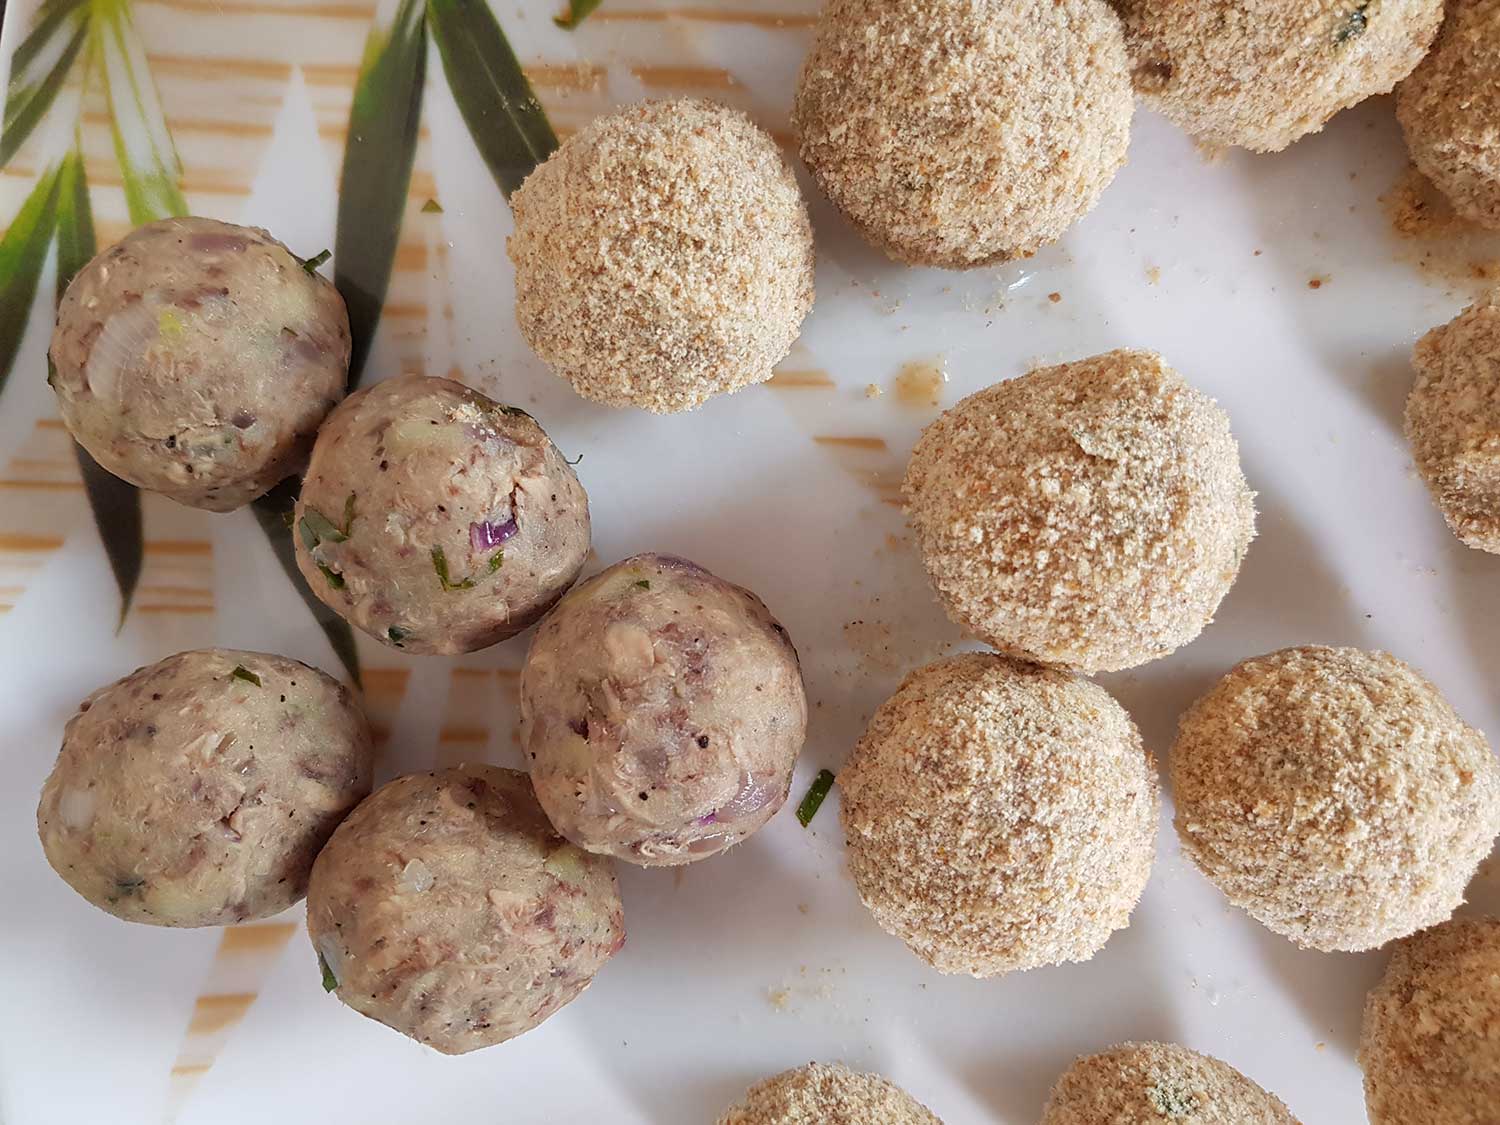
[(799, 380), (179, 547), (214, 1013), (471, 673), (198, 66), (256, 939), (178, 591), (565, 76), (508, 673), (464, 734), (20, 542), (243, 8), (50, 424), (42, 485), (850, 442), (192, 1068), (166, 609), (606, 14), (684, 77)]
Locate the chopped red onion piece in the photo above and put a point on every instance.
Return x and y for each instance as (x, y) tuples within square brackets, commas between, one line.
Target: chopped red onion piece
[(487, 536)]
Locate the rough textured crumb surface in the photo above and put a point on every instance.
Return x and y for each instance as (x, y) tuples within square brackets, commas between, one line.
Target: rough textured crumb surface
[(1430, 1042), (1453, 421), (663, 255), (1334, 795), (1090, 515), (1262, 73), (999, 815), (820, 1094), (961, 132), (1449, 110), (1151, 1083)]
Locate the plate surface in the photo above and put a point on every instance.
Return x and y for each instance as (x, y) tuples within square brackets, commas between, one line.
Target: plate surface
[(1275, 283)]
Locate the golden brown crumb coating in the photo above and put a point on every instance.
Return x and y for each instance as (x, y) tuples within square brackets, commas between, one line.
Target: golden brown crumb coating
[(819, 1094)]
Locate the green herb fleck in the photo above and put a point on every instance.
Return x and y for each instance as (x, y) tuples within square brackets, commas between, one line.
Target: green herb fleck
[(440, 564), (242, 673), (289, 517), (432, 207), (1355, 24), (396, 634), (815, 796), (578, 11), (129, 884), (1172, 1101), (348, 527), (335, 579), (496, 560), (311, 264), (330, 982), (644, 584), (169, 325), (320, 527)]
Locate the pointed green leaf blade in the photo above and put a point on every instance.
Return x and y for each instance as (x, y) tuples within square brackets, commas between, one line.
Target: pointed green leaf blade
[(508, 124), (75, 221), (23, 253), (39, 68), (378, 156), (149, 165)]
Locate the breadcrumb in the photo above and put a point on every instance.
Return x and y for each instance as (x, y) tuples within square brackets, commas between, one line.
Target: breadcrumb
[(1430, 1041), (820, 1094), (1092, 514), (962, 132), (663, 255), (999, 815), (1334, 795), (1453, 421)]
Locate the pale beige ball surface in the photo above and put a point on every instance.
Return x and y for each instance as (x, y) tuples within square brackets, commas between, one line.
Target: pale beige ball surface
[(820, 1094)]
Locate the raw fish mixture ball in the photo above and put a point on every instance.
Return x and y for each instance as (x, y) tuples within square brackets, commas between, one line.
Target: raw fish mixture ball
[(662, 711), (197, 359), (447, 908), (436, 519), (999, 815), (1450, 110), (1453, 421), (1260, 75), (962, 132), (197, 791), (1334, 795), (663, 255), (1155, 1083), (820, 1094), (1090, 515), (1430, 1041)]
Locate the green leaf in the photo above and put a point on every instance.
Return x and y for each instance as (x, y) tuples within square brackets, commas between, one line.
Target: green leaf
[(816, 794), (271, 512), (148, 160), (311, 264), (376, 176), (643, 583), (497, 560), (506, 121), (578, 11), (23, 252), (76, 244), (432, 207), (440, 564), (330, 982), (39, 68), (242, 673), (320, 528)]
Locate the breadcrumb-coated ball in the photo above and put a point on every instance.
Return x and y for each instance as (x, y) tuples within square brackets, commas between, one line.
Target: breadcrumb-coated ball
[(1449, 110), (1453, 421), (1092, 514), (1430, 1041), (962, 132), (1156, 1083), (1262, 73), (999, 815), (663, 255), (1334, 795), (820, 1094)]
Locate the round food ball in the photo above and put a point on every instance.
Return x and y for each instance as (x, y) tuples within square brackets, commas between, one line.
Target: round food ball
[(1430, 1041), (1453, 421), (1262, 75), (197, 791), (818, 1094), (447, 908), (1150, 1083), (999, 815), (1091, 515), (963, 132), (663, 255), (662, 711), (436, 519), (1449, 110), (197, 359), (1334, 795)]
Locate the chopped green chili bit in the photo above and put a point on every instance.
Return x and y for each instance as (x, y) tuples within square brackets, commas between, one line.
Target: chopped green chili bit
[(311, 264), (317, 528), (578, 11), (440, 564), (330, 982), (396, 634), (816, 794), (497, 560), (1355, 24), (242, 673), (335, 579), (643, 583), (432, 207)]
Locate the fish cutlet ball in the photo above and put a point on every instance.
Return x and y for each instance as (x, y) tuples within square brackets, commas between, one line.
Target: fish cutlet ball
[(1261, 75), (1151, 1083), (1453, 421), (436, 519), (1430, 1042), (820, 1094), (958, 133), (662, 712), (197, 791), (447, 908), (1091, 515), (197, 359), (1334, 795), (999, 815), (1449, 110), (663, 255)]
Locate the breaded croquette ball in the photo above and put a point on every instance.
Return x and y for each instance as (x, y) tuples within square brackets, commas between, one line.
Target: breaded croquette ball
[(961, 132), (999, 815), (1091, 515), (818, 1094), (1453, 421), (1430, 1042), (1334, 795), (1156, 1083), (1261, 74)]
